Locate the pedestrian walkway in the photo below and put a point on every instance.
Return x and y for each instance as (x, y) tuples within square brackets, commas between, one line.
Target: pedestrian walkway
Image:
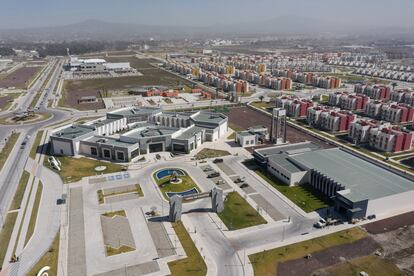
[(76, 247)]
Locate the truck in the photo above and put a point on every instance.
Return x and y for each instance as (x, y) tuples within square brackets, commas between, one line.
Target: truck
[(321, 223)]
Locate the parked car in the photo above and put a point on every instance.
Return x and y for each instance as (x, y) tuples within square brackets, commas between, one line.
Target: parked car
[(218, 160), (321, 223), (213, 174), (244, 185)]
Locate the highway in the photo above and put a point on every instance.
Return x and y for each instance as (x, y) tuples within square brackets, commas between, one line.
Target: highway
[(14, 166)]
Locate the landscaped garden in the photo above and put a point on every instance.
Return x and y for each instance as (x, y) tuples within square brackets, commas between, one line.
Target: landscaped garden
[(172, 181), (211, 153), (74, 169)]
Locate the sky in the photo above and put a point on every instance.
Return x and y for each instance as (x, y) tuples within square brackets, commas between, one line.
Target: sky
[(36, 13)]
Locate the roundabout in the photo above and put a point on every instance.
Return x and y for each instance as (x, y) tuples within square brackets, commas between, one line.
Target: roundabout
[(174, 181)]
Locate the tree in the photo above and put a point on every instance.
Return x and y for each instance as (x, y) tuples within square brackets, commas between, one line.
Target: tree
[(394, 84), (261, 98)]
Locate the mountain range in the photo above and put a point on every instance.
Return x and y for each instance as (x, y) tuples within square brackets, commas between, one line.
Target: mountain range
[(103, 30)]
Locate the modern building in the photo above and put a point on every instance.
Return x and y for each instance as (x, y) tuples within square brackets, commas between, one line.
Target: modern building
[(97, 66), (252, 136), (129, 132), (357, 187)]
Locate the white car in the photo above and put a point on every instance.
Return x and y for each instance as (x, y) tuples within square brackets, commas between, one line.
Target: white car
[(321, 223)]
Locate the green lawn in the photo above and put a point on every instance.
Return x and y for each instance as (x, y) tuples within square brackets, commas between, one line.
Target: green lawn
[(372, 265), (33, 216), (36, 144), (115, 213), (101, 195), (110, 251), (194, 264), (304, 196), (263, 105), (74, 169), (5, 234), (165, 186), (266, 262), (211, 153), (238, 213), (18, 196), (324, 98), (8, 147), (50, 258), (24, 215), (232, 136), (235, 127)]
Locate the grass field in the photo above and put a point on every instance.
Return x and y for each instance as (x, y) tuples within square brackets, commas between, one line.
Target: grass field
[(8, 147), (33, 216), (110, 251), (50, 258), (36, 144), (115, 213), (18, 196), (101, 195), (211, 153), (263, 105), (304, 196), (372, 265), (6, 100), (5, 234), (266, 262), (194, 264), (165, 186), (74, 169), (238, 213)]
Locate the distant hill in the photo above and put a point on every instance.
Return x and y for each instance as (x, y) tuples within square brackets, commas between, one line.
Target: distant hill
[(102, 30)]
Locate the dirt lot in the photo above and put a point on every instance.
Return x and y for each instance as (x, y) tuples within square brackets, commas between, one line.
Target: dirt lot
[(4, 101), (20, 78), (245, 117), (74, 89), (328, 257), (390, 224), (396, 237)]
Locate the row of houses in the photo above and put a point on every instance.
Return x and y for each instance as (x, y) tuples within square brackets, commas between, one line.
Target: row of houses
[(380, 135), (384, 136), (392, 112), (386, 74), (330, 119), (389, 111), (376, 92), (327, 82), (348, 101)]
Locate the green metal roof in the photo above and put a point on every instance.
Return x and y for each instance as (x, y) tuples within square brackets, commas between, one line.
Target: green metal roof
[(74, 131), (209, 117), (110, 141), (189, 133)]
